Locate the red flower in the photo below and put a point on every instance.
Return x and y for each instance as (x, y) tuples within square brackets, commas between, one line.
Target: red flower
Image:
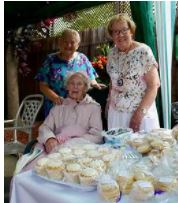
[(99, 63)]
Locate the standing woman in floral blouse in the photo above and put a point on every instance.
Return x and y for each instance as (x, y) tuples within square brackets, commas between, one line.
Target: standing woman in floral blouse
[(52, 74), (134, 79)]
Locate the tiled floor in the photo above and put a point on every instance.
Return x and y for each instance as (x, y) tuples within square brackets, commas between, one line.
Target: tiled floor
[(9, 167)]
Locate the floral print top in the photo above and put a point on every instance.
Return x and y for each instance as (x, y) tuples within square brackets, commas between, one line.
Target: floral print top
[(55, 70), (127, 71)]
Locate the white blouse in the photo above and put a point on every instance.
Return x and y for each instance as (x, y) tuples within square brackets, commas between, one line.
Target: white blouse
[(127, 72)]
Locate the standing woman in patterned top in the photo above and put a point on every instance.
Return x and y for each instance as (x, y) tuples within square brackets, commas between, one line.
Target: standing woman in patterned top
[(134, 79), (52, 74)]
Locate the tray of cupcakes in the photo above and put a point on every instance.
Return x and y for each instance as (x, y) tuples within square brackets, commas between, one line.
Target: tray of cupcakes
[(77, 167)]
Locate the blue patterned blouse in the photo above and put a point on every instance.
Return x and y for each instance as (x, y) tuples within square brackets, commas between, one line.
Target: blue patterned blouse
[(55, 70)]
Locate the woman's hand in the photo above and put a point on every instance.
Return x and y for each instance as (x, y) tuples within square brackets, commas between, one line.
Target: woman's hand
[(62, 139), (136, 120), (50, 144), (102, 86), (99, 86), (58, 100)]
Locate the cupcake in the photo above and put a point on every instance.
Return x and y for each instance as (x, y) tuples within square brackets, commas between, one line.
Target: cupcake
[(69, 158), (108, 158), (99, 165), (144, 175), (125, 181), (157, 144), (142, 190), (94, 154), (41, 165), (85, 161), (137, 142), (104, 150), (65, 150), (88, 176), (145, 148), (79, 152), (109, 189), (72, 172), (166, 184), (55, 169), (54, 156), (88, 147)]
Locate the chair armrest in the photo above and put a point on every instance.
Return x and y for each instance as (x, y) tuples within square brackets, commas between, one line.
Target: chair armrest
[(18, 128), (9, 121)]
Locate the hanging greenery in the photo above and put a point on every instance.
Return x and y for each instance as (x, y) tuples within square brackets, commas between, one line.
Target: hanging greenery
[(20, 41)]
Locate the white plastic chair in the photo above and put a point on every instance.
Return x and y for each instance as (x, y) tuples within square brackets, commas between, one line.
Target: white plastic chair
[(23, 122)]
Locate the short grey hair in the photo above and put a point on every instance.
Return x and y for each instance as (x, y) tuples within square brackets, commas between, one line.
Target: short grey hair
[(69, 32), (81, 75)]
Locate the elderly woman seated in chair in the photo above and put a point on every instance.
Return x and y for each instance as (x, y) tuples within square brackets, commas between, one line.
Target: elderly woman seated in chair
[(79, 116)]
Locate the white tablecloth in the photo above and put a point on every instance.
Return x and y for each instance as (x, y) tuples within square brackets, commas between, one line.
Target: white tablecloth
[(29, 188)]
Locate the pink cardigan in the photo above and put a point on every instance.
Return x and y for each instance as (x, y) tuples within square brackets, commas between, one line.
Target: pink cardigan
[(73, 119)]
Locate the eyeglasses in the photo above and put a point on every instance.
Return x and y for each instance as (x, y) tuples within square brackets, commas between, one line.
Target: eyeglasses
[(118, 32)]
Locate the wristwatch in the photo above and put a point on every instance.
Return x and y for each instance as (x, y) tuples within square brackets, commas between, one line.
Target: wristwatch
[(144, 111)]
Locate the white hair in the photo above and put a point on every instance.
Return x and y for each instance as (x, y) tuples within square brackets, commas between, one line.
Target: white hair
[(80, 74), (69, 32)]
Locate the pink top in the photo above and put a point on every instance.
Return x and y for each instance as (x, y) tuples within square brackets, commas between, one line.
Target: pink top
[(72, 119)]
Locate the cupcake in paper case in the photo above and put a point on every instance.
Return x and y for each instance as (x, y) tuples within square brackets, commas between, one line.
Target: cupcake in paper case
[(40, 166), (142, 190), (72, 172), (167, 184), (88, 176), (104, 150), (141, 172), (55, 156), (84, 161), (55, 169), (125, 181), (144, 149), (94, 154), (99, 165), (108, 189), (108, 159), (68, 158), (88, 147), (79, 152), (65, 150)]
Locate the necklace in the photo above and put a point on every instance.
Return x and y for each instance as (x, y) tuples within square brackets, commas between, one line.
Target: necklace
[(123, 67)]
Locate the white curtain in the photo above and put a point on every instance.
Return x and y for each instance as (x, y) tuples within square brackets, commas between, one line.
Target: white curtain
[(165, 19)]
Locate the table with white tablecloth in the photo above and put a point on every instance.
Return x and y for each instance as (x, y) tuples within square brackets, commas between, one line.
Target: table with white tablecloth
[(29, 188)]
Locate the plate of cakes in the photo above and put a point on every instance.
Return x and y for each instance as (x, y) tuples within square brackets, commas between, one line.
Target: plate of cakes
[(71, 175), (74, 173), (77, 166)]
